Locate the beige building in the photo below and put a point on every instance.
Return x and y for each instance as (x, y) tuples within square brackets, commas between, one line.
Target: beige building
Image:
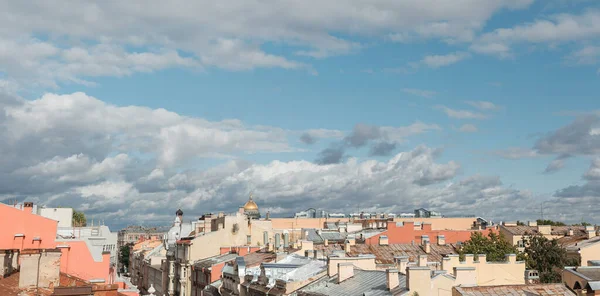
[(514, 233), (583, 280), (585, 251)]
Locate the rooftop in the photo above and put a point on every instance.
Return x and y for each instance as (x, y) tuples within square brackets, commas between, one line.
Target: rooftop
[(555, 230), (385, 254), (592, 273), (583, 244), (364, 282), (10, 286), (209, 262), (530, 290)]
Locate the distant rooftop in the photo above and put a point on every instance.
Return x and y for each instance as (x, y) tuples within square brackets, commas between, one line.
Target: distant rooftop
[(530, 290)]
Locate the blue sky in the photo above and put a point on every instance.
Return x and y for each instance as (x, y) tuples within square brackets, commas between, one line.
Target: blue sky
[(500, 87)]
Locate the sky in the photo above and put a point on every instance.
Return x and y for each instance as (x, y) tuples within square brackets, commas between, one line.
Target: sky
[(129, 110)]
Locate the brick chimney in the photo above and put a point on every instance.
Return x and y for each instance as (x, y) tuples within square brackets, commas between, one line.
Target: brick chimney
[(392, 281), (426, 247), (422, 260), (383, 240), (441, 240), (345, 271), (401, 263), (28, 207)]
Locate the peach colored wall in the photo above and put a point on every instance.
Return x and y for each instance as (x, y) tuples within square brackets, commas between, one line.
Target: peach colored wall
[(78, 261), (408, 233), (299, 223), (436, 223), (442, 223), (241, 250), (16, 221)]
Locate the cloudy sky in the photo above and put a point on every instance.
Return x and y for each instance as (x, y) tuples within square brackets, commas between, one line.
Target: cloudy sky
[(129, 110)]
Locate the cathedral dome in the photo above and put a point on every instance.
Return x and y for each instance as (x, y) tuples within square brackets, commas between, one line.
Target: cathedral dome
[(251, 209), (250, 206)]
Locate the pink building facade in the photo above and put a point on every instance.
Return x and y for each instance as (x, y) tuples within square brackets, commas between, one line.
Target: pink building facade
[(21, 229)]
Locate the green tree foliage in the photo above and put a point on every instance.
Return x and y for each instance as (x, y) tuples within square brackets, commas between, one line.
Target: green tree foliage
[(494, 246), (583, 224), (547, 257), (79, 219), (550, 222), (519, 223), (124, 255)]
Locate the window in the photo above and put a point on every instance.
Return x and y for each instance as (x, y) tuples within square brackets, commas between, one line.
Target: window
[(248, 239)]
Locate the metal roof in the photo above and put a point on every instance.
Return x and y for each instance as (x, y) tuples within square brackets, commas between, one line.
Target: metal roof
[(364, 282)]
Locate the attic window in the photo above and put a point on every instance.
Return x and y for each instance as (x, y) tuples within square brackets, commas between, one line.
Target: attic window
[(19, 235)]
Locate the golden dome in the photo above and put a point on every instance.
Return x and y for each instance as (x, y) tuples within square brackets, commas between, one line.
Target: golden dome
[(250, 205)]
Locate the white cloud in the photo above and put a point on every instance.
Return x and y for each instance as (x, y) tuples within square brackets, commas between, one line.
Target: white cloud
[(516, 153), (468, 128), (483, 105), (437, 61), (420, 92), (70, 121), (200, 34), (556, 29), (461, 114), (588, 55)]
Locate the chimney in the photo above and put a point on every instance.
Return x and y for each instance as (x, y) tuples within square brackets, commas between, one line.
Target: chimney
[(418, 280), (441, 240), (345, 271), (401, 263), (544, 229), (315, 255), (286, 240), (532, 277), (392, 281), (532, 223), (270, 247), (422, 260), (590, 234), (511, 258), (265, 237), (326, 242), (277, 241), (383, 240), (347, 246), (426, 247), (352, 241), (268, 215), (28, 207), (570, 232)]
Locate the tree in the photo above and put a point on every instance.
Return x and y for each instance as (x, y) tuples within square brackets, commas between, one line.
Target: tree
[(494, 246), (583, 224), (124, 255), (549, 222), (79, 219), (547, 257)]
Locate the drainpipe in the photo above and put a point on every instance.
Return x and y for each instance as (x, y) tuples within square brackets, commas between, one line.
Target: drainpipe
[(37, 278)]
